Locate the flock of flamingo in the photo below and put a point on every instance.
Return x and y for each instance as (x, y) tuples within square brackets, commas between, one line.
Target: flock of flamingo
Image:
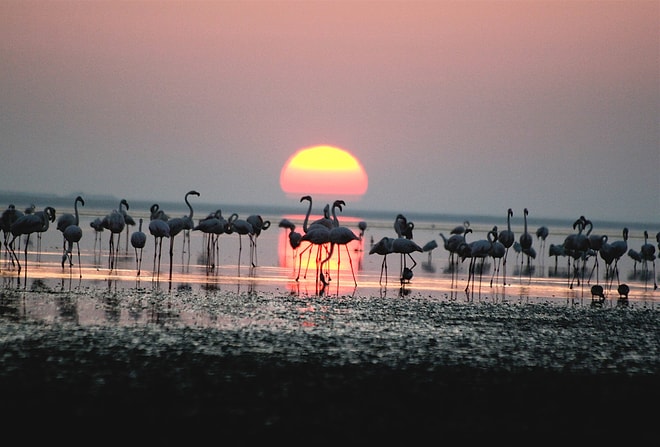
[(326, 235)]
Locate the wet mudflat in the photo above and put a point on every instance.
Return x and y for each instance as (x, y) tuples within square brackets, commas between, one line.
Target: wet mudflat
[(196, 365)]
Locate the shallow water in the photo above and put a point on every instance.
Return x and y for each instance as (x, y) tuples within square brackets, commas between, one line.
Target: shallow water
[(252, 351), (539, 280)]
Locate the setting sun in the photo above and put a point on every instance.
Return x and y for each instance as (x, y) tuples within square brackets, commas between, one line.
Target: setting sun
[(324, 170)]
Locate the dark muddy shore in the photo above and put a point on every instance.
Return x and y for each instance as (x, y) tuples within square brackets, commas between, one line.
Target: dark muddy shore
[(317, 370)]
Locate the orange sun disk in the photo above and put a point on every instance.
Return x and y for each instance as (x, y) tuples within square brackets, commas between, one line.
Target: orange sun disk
[(323, 170)]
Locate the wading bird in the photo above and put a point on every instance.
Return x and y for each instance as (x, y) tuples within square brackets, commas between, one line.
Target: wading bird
[(159, 229), (648, 254), (128, 219), (115, 223), (340, 235), (138, 241), (8, 217), (542, 233), (406, 247), (26, 225), (525, 241), (67, 219), (72, 234), (460, 229), (258, 225), (506, 238), (383, 247), (478, 249), (97, 224), (178, 224)]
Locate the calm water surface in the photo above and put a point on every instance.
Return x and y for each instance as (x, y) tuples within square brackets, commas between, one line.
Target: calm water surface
[(353, 271)]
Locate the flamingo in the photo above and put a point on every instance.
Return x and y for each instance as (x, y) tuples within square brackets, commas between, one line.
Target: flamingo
[(138, 241), (453, 245), (212, 226), (159, 229), (362, 226), (8, 217), (318, 232), (26, 225), (157, 213), (636, 257), (623, 290), (648, 254), (243, 228), (72, 234), (460, 229), (575, 247), (258, 225), (525, 240), (128, 219), (497, 252), (542, 233), (478, 249), (619, 248), (595, 242), (383, 247), (115, 223), (405, 247), (325, 220), (403, 227), (178, 224), (318, 235), (67, 219), (340, 235), (612, 252), (429, 247), (97, 224), (506, 238), (295, 238), (556, 250)]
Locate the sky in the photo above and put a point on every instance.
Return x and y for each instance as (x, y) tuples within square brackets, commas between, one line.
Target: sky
[(460, 107)]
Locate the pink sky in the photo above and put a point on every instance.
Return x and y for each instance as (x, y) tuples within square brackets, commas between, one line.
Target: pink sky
[(454, 107)]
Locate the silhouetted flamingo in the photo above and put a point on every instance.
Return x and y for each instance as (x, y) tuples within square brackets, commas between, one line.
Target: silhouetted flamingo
[(648, 254), (72, 234), (116, 224), (497, 252), (478, 249), (97, 224), (178, 224), (460, 229), (65, 220), (339, 235), (159, 229), (128, 219), (383, 247), (506, 238), (525, 240), (405, 247), (26, 225), (258, 225), (138, 241)]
